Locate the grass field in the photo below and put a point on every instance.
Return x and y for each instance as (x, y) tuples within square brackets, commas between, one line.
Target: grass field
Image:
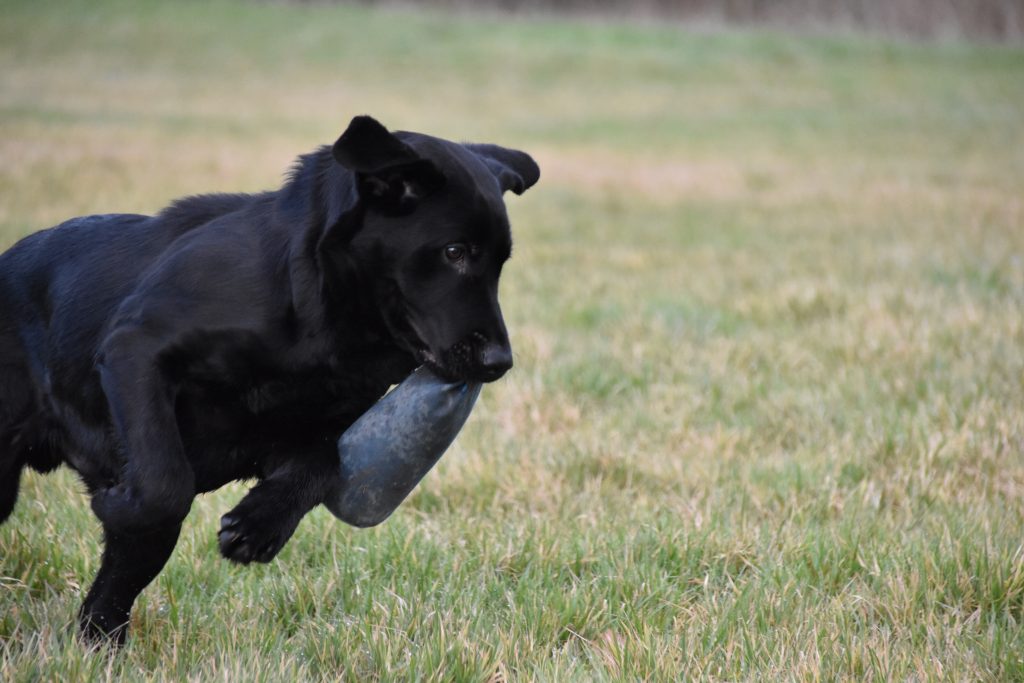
[(767, 301)]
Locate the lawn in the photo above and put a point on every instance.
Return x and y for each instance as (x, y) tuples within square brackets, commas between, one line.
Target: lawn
[(767, 303)]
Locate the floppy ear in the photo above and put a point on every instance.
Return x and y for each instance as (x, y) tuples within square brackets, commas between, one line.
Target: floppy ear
[(389, 173), (515, 170)]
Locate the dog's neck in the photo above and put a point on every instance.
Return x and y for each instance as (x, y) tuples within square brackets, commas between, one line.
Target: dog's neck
[(320, 200)]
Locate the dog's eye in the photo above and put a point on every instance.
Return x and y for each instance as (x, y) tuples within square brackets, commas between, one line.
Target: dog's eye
[(455, 252)]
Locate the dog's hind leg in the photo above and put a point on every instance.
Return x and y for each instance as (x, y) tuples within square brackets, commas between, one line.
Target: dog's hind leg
[(26, 436), (130, 563), (12, 457), (10, 476)]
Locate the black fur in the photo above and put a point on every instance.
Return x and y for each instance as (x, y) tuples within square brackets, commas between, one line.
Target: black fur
[(237, 336)]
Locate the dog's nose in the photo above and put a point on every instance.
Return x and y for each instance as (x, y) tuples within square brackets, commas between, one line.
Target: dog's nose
[(495, 360)]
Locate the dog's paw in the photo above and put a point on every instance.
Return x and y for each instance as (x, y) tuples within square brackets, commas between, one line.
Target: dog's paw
[(98, 629), (246, 537)]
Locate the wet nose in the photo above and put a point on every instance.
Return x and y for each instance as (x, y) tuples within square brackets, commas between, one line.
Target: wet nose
[(495, 360)]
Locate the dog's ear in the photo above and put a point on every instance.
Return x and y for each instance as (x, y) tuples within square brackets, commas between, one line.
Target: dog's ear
[(515, 170), (389, 174)]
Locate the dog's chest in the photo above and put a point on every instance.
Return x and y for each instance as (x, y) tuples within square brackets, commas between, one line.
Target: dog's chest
[(317, 394), (324, 394), (228, 431), (342, 384)]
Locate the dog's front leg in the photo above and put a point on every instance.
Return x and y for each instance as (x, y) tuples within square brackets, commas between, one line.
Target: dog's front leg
[(130, 563), (158, 484), (259, 526)]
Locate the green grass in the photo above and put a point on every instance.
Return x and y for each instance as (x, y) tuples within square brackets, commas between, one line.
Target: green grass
[(767, 416)]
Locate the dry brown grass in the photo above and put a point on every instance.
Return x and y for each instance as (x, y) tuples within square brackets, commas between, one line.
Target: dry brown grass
[(766, 418)]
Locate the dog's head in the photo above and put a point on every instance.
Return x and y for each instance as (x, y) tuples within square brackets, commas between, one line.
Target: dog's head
[(428, 237)]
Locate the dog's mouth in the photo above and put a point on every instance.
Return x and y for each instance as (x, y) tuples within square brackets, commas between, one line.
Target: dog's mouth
[(464, 361), (471, 359), (425, 356)]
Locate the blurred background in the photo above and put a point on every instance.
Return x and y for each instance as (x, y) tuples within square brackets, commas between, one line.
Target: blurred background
[(767, 305), (975, 19)]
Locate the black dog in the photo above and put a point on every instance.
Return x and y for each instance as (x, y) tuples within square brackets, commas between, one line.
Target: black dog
[(237, 336)]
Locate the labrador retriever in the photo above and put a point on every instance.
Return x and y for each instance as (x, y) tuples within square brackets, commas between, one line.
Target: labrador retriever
[(236, 336)]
